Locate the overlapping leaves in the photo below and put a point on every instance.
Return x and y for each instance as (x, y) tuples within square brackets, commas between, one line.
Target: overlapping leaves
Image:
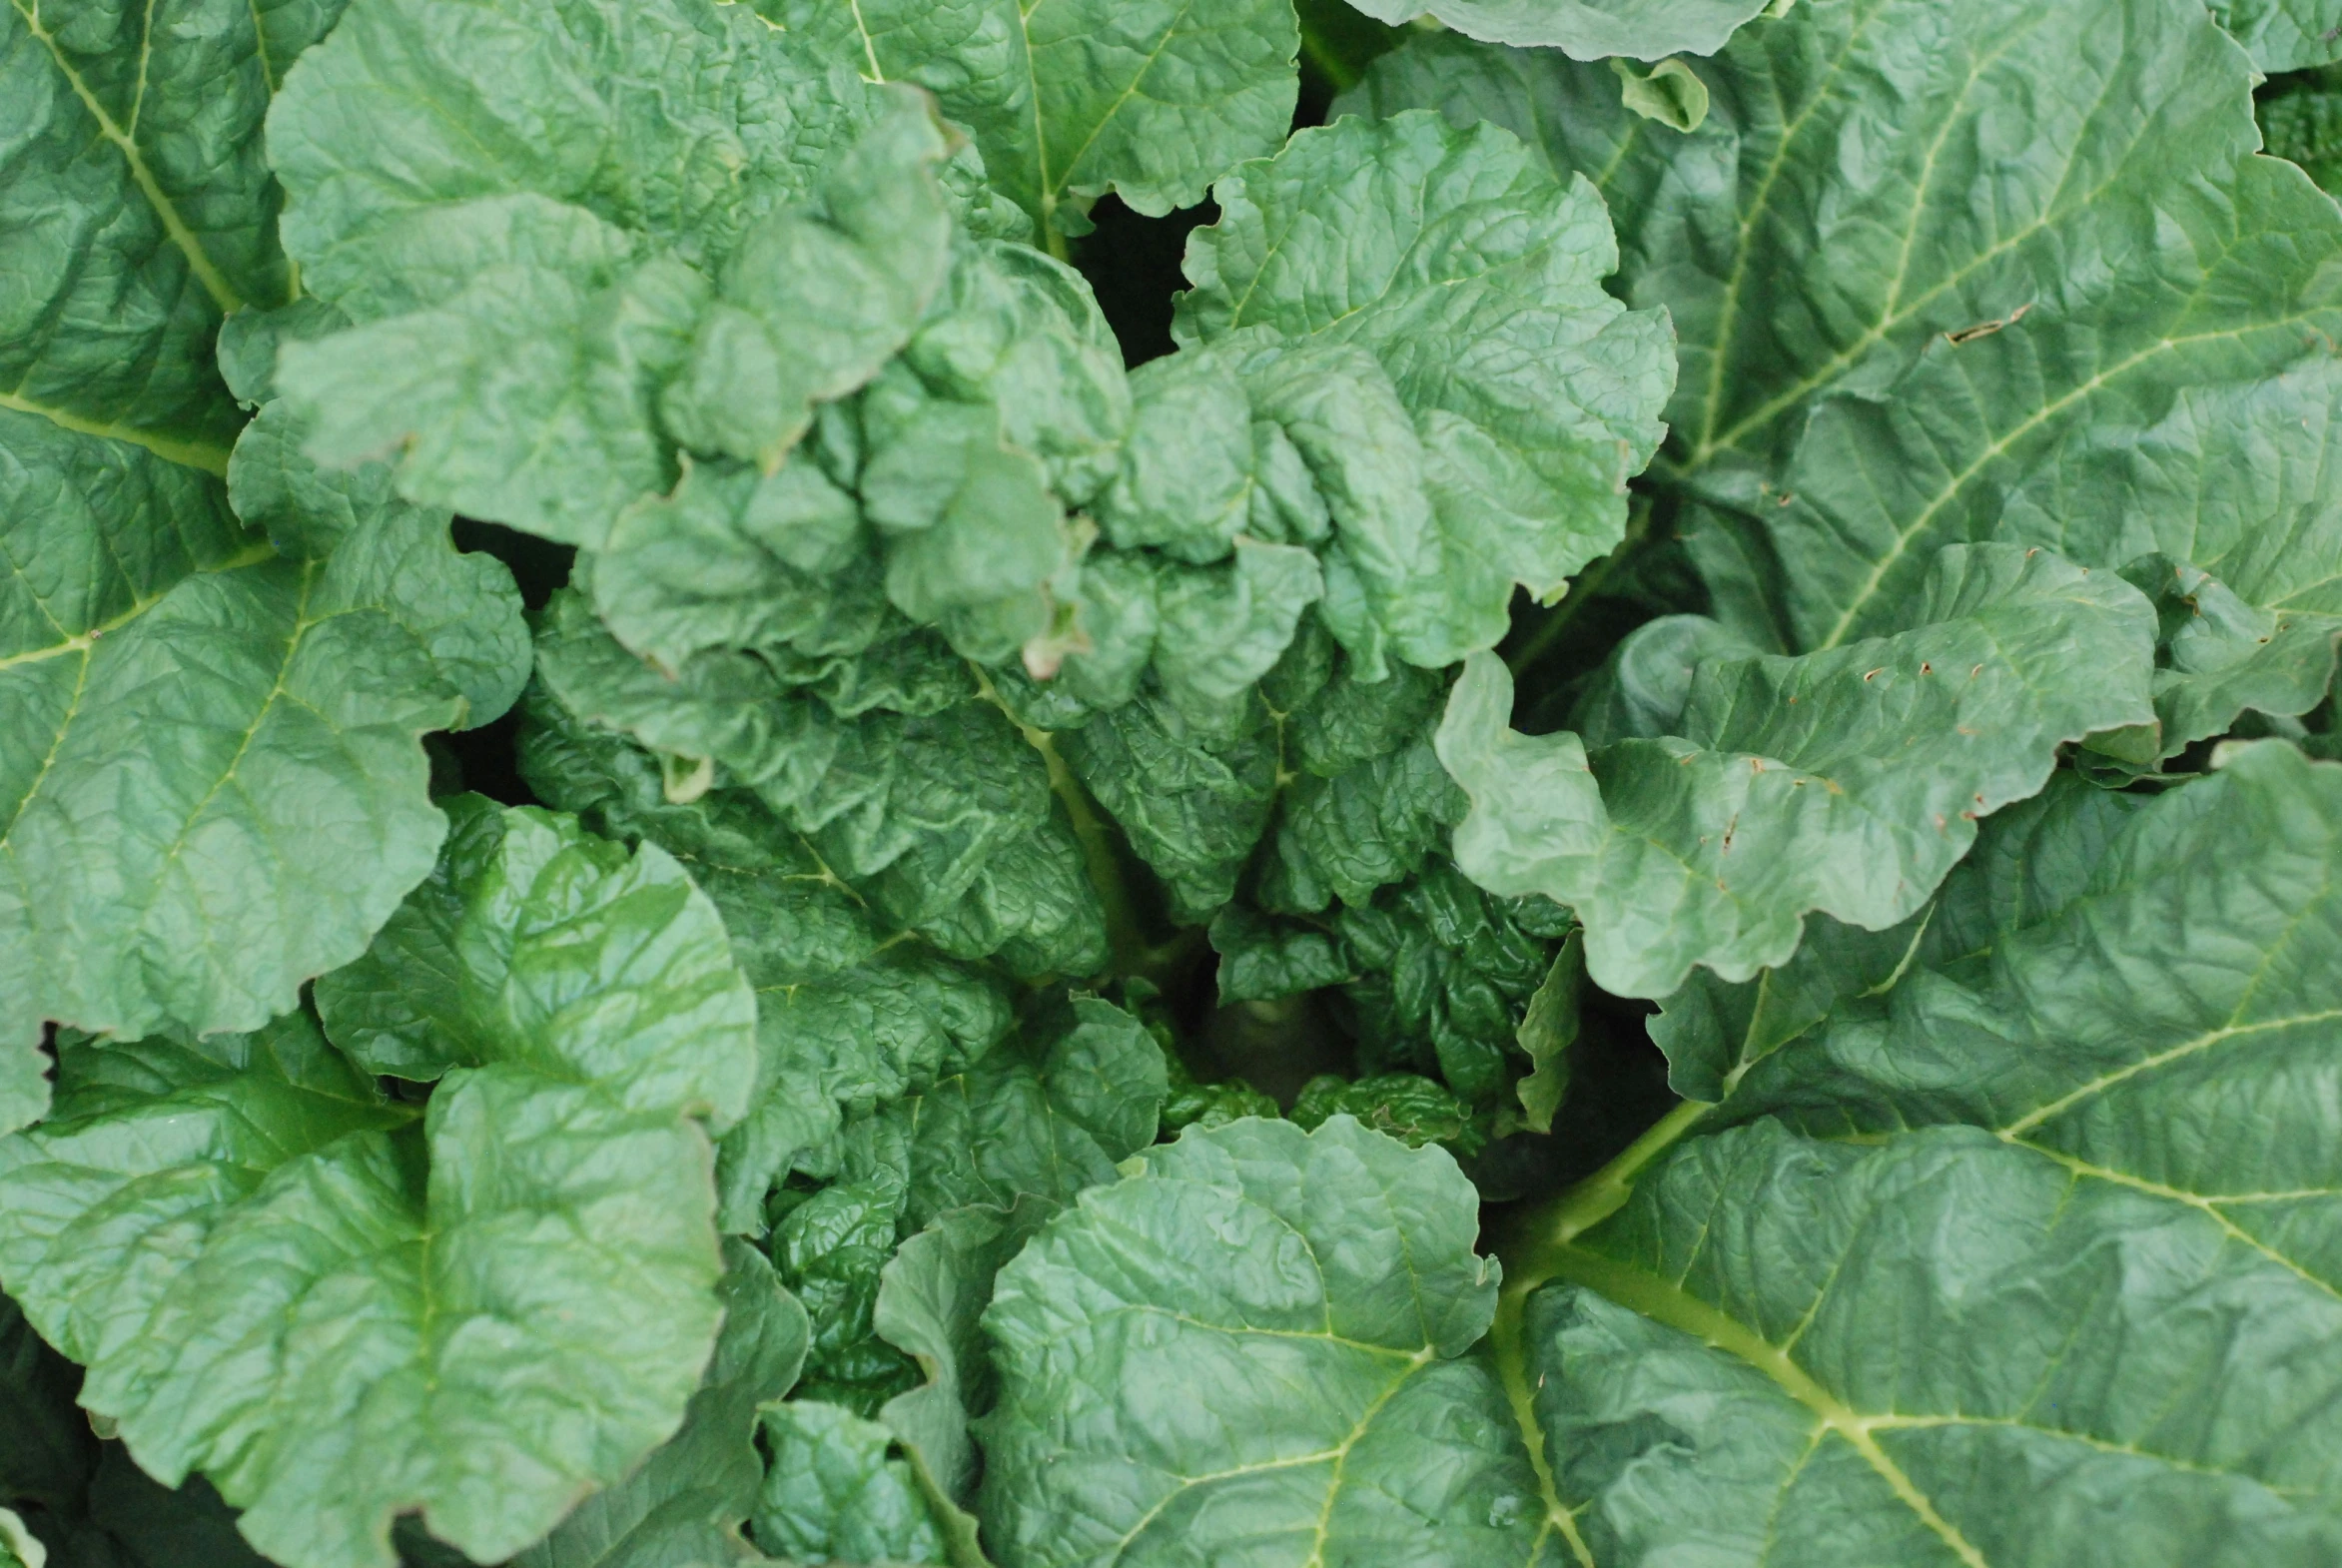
[(339, 1308), (2023, 1146), (1931, 365)]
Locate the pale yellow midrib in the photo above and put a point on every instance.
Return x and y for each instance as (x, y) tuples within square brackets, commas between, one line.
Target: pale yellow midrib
[(198, 262)]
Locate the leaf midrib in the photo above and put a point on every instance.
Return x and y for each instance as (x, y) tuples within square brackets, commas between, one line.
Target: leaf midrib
[(251, 555), (215, 283), (1667, 1304)]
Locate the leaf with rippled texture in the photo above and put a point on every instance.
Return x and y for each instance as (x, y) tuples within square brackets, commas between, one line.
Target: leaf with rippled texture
[(1386, 295), (545, 280), (2077, 1142), (1585, 29), (138, 208), (341, 1307), (1284, 1317), (1846, 781), (1929, 365), (1068, 99), (215, 789)]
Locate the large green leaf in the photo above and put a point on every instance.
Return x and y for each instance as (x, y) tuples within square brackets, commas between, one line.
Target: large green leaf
[(1846, 781), (1585, 29), (1891, 353), (136, 209), (1256, 1346), (559, 271), (2284, 35), (687, 1502), (1418, 314), (213, 788), (870, 986), (931, 1302), (341, 1307), (1068, 99), (2024, 1251)]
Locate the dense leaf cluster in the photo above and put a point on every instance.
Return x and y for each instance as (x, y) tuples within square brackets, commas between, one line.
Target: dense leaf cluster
[(1620, 849)]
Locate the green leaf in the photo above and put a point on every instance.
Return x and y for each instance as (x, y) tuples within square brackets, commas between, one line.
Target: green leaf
[(2301, 120), (832, 1493), (1586, 29), (1929, 363), (536, 943), (213, 789), (1715, 1375), (931, 1300), (1256, 1344), (1384, 291), (2284, 35), (543, 274), (139, 209), (1846, 781), (19, 1548), (1068, 99), (1671, 92), (2078, 1140), (855, 1009), (830, 1247), (341, 1312), (1046, 1114), (1413, 1109), (1549, 1027), (691, 1496), (1263, 959)]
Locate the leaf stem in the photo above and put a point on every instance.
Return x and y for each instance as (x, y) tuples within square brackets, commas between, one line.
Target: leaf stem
[(1531, 1247), (1125, 939)]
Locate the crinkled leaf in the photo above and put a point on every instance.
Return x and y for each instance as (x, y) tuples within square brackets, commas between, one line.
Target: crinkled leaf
[(1549, 1027), (913, 806), (1257, 1345), (1404, 1106), (834, 1494), (1428, 331), (831, 1248), (2301, 120), (853, 1008), (138, 210), (1436, 976), (1585, 29), (213, 789), (2104, 1366), (1261, 958), (931, 1300), (547, 274), (1047, 1113), (2078, 1145), (2284, 35), (1931, 361), (688, 1501), (536, 943), (1068, 99), (1846, 781), (341, 1312)]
